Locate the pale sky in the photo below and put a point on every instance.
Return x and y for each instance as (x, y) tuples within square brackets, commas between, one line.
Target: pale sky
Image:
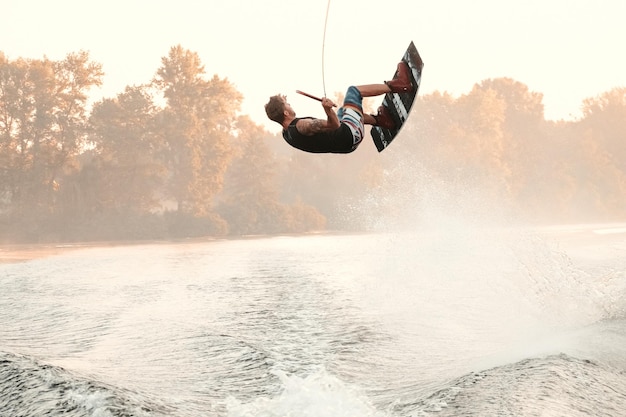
[(568, 50)]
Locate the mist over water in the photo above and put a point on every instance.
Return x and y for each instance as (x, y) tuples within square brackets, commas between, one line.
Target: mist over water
[(447, 307)]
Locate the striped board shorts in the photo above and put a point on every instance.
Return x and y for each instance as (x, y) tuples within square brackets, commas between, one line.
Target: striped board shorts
[(351, 114)]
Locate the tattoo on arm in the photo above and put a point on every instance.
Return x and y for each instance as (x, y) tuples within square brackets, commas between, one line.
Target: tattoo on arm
[(318, 125), (310, 127)]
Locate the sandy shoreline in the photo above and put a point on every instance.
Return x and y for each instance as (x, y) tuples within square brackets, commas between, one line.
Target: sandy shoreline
[(27, 252), (12, 253)]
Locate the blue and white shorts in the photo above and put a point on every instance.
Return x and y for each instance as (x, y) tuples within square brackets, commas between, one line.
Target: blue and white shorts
[(351, 114)]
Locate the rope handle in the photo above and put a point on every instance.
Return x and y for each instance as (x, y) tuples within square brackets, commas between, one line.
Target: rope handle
[(311, 96)]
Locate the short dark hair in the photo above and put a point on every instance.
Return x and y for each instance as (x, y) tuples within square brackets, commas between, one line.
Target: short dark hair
[(275, 108)]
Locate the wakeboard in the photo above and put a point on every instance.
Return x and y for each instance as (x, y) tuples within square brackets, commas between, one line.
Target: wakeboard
[(399, 104)]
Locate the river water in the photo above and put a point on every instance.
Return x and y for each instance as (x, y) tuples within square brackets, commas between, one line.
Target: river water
[(465, 321)]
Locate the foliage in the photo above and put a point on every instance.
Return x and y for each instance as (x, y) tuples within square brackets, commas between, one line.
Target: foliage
[(42, 125), (196, 125), (173, 158), (128, 154), (496, 140)]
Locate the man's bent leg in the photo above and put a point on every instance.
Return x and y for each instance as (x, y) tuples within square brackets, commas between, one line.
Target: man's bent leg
[(351, 114), (400, 84), (371, 90)]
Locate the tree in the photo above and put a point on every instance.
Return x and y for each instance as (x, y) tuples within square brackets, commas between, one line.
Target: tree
[(196, 124), (525, 142), (604, 150), (251, 197), (482, 114), (250, 202), (430, 132), (43, 126), (604, 117), (129, 152), (14, 110), (462, 141)]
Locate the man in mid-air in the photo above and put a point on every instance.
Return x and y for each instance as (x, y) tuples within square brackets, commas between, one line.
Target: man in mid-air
[(341, 132)]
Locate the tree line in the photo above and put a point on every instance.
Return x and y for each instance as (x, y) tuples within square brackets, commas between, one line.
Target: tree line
[(173, 158)]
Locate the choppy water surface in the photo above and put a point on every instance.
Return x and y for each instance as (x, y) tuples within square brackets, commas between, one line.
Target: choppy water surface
[(465, 323)]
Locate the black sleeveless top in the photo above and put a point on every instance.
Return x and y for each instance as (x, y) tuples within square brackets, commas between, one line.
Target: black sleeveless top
[(337, 141)]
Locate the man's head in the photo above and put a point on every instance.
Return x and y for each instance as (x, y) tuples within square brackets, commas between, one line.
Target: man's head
[(277, 109)]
